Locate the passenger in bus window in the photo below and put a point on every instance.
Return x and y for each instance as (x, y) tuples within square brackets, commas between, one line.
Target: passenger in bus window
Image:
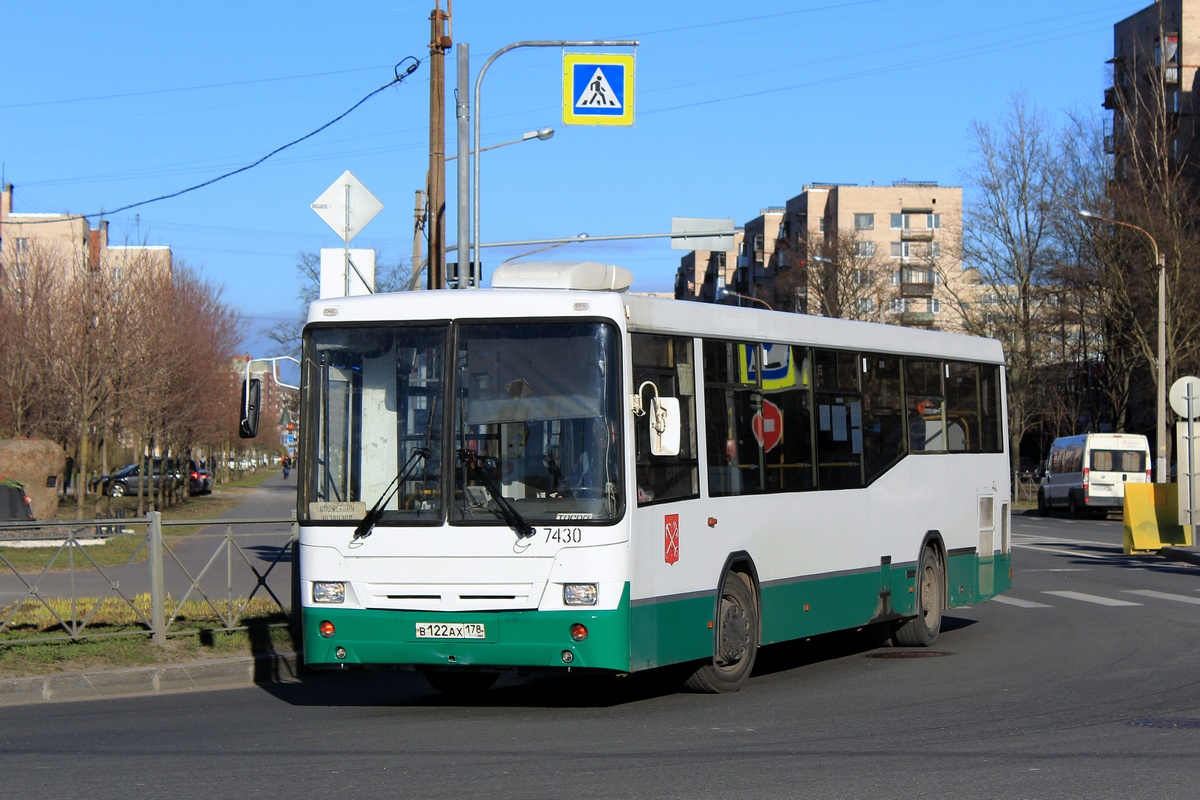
[(916, 427)]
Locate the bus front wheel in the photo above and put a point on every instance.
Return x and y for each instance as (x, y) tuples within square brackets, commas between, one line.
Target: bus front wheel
[(923, 629), (736, 641)]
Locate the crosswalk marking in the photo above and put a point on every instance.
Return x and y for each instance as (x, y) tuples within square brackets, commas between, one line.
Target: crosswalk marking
[(1092, 598), (1014, 601), (1179, 598)]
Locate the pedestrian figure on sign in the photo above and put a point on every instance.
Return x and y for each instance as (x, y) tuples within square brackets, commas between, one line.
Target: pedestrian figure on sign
[(598, 95)]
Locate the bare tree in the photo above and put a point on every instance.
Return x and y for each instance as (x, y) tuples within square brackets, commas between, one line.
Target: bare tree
[(389, 277), (1008, 239), (27, 287)]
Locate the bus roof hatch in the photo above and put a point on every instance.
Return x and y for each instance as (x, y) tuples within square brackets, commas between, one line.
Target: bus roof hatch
[(586, 275)]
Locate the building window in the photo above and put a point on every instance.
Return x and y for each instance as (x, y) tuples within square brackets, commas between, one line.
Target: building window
[(866, 305), (901, 250), (933, 221), (896, 277), (864, 222), (935, 249), (821, 225), (935, 305), (900, 222), (865, 249), (898, 305)]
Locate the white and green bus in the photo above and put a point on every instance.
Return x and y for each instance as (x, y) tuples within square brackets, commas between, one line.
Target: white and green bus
[(555, 474)]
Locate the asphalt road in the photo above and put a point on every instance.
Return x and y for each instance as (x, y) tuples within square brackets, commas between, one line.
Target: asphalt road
[(202, 557), (1083, 682)]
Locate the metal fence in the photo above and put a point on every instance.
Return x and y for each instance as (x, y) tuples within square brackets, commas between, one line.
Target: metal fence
[(222, 564)]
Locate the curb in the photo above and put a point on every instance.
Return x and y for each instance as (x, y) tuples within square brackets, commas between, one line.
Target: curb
[(1188, 554), (191, 676)]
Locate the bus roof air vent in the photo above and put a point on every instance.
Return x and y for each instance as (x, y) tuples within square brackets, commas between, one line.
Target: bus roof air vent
[(586, 275)]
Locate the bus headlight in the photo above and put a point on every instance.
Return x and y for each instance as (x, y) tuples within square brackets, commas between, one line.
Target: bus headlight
[(329, 592), (580, 594)]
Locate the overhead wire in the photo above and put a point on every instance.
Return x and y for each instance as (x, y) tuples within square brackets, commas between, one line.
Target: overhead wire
[(399, 78)]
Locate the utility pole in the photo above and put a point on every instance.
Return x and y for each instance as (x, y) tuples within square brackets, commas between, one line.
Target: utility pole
[(418, 233), (439, 43)]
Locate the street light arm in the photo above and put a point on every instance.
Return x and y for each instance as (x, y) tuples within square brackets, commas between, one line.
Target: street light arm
[(478, 113)]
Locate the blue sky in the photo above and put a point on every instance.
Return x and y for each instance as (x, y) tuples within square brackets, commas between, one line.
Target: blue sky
[(737, 107)]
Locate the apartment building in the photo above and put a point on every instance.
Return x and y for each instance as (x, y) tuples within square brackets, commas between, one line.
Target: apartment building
[(71, 239), (876, 253), (701, 273), (1155, 56)]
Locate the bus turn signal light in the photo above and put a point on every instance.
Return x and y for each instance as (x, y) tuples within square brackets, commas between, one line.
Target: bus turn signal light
[(325, 628), (579, 632)]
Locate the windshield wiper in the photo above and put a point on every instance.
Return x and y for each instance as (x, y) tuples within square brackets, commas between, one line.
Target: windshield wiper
[(368, 523), (513, 517)]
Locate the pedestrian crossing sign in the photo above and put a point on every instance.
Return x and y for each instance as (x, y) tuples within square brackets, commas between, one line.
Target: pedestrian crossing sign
[(597, 89)]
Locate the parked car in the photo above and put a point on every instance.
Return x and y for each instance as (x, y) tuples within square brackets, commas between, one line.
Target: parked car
[(199, 481), (128, 479), (1028, 469), (14, 503)]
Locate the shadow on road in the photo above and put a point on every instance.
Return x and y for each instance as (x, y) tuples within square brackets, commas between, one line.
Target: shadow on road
[(404, 688)]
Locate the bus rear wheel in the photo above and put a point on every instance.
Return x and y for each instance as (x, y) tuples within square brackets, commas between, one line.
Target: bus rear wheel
[(923, 629), (457, 683), (736, 642)]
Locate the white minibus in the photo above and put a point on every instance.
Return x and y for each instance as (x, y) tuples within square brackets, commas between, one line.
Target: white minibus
[(1088, 472)]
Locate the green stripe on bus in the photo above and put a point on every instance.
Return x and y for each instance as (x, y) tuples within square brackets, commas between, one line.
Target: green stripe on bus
[(650, 634), (514, 638)]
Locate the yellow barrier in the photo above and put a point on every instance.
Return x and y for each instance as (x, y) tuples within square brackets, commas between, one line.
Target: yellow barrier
[(1152, 518)]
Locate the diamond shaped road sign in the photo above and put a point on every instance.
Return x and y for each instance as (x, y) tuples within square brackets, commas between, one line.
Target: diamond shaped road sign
[(347, 206)]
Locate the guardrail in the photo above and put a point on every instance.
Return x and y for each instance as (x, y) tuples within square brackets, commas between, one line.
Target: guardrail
[(222, 564)]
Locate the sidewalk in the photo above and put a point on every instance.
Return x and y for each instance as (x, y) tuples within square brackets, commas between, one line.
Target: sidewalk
[(226, 673), (214, 673)]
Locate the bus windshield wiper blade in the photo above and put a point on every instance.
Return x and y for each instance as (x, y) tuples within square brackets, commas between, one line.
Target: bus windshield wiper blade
[(513, 517), (368, 523)]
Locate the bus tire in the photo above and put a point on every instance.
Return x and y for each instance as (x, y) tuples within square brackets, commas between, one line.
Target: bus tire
[(923, 629), (460, 683), (736, 639)]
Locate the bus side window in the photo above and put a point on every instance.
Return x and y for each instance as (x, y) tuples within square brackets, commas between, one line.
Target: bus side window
[(883, 428), (962, 407), (925, 401), (839, 430), (667, 362)]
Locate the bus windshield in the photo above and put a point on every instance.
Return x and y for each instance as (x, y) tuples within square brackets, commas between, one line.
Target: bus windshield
[(536, 422), (373, 423), (534, 434)]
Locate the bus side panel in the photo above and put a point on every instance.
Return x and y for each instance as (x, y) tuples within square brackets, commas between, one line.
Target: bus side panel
[(671, 630), (793, 609)]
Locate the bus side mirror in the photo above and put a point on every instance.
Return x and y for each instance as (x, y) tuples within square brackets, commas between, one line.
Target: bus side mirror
[(664, 426), (251, 400)]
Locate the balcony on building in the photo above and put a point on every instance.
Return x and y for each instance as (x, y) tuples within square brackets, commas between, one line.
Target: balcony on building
[(916, 234), (916, 289), (917, 319)]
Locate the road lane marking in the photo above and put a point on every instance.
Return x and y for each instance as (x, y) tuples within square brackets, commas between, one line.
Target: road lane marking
[(1019, 603), (1093, 598), (1179, 598)]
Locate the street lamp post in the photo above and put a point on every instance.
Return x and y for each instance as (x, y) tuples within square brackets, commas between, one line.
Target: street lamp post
[(541, 134), (1161, 475), (580, 238), (724, 292), (473, 246)]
